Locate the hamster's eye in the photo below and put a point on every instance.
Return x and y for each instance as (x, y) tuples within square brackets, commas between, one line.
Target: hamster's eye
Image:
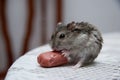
[(62, 36)]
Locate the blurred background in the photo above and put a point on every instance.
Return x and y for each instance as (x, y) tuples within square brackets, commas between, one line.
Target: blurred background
[(28, 24)]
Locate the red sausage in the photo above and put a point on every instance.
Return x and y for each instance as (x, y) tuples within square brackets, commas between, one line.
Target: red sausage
[(51, 59)]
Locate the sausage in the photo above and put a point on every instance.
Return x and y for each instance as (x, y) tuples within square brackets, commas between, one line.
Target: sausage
[(51, 59)]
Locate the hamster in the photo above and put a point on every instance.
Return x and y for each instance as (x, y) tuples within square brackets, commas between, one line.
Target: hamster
[(80, 42)]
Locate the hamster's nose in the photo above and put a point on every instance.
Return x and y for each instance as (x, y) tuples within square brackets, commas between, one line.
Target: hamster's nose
[(54, 48)]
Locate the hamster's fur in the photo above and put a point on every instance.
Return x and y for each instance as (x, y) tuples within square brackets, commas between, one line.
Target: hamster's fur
[(79, 42)]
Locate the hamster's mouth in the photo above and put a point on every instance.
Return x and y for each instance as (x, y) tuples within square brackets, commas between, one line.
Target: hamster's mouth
[(62, 50)]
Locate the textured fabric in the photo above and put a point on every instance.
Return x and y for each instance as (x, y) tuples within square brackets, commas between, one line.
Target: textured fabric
[(105, 67)]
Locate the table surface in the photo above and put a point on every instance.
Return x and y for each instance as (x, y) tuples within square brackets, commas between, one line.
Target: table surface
[(105, 67)]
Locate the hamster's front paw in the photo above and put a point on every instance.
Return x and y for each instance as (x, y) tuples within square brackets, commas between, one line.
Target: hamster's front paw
[(65, 53)]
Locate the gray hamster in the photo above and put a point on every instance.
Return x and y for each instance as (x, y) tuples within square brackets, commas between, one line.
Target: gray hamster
[(80, 42)]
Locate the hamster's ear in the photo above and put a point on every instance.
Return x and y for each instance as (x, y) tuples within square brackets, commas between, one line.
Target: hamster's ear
[(59, 26), (59, 23), (71, 25)]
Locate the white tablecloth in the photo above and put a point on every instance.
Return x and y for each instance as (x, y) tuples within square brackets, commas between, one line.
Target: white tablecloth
[(105, 67)]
